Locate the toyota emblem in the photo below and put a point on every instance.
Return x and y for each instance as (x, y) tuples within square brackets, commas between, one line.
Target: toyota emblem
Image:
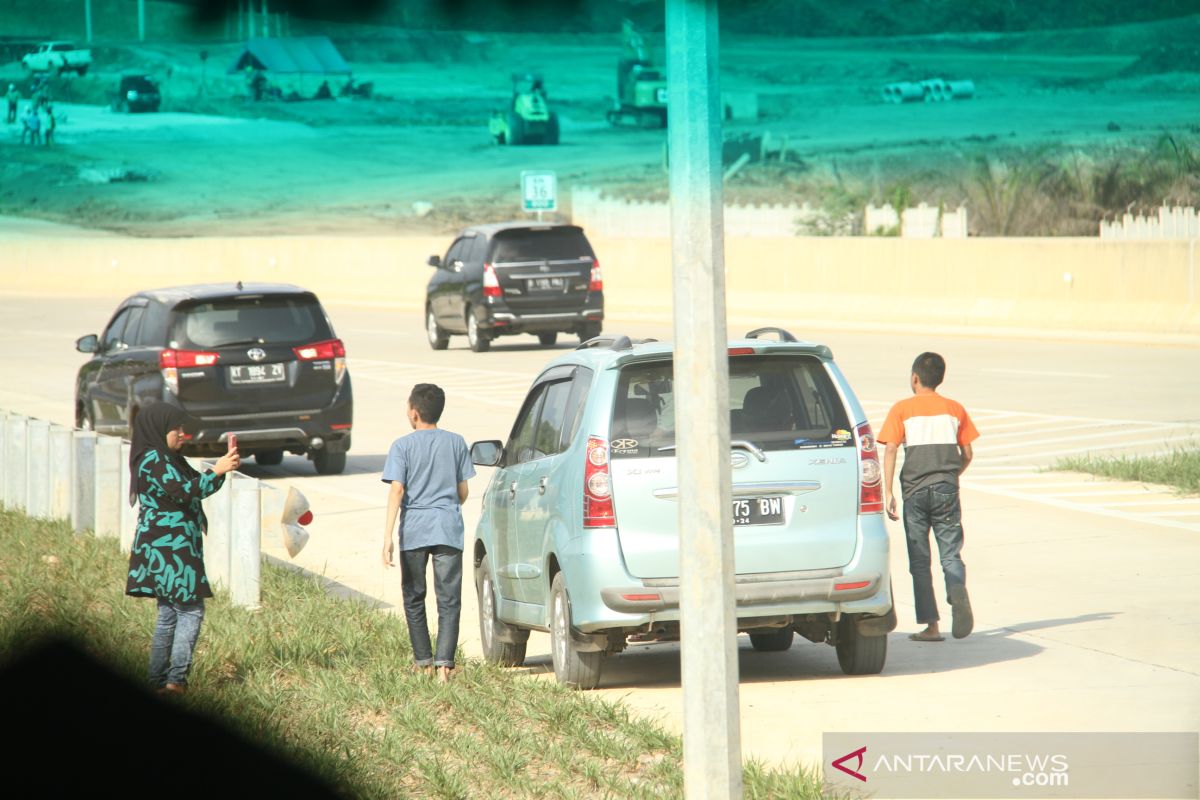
[(256, 353)]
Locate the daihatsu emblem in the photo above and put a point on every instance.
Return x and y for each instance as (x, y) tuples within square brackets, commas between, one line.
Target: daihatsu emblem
[(256, 353), (739, 460)]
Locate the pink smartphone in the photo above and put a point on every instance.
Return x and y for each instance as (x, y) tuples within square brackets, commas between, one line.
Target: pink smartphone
[(232, 442)]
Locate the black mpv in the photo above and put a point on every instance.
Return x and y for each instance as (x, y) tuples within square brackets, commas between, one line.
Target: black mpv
[(257, 360), (515, 277)]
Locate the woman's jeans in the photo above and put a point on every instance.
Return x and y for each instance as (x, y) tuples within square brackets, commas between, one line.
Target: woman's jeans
[(934, 507), (447, 588), (174, 641)]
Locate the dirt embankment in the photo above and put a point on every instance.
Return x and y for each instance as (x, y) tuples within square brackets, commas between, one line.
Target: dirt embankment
[(1063, 128)]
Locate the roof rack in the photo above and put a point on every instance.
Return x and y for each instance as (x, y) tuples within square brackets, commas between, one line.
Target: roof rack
[(783, 335), (613, 342)]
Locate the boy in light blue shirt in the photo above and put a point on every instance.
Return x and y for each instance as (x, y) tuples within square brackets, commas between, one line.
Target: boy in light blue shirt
[(427, 471)]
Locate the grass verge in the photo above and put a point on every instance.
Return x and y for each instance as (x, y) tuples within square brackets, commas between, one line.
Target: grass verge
[(1179, 468), (327, 684)]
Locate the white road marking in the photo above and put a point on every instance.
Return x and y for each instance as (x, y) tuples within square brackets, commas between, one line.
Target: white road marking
[(1072, 451), (1090, 509), (1107, 434), (1056, 428), (1045, 373)]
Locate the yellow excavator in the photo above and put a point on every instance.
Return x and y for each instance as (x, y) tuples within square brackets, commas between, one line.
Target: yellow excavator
[(528, 119), (641, 88)]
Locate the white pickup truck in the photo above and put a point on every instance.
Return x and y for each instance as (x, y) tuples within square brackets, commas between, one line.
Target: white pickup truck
[(59, 57)]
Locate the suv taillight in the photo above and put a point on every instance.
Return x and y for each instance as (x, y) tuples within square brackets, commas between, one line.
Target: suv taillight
[(171, 361), (597, 489), (324, 351), (870, 490), (596, 284), (491, 284)]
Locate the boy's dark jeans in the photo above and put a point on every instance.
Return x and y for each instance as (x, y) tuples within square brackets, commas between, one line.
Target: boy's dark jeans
[(934, 507), (447, 588)]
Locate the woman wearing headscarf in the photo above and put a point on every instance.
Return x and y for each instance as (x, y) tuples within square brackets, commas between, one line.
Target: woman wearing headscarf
[(167, 559)]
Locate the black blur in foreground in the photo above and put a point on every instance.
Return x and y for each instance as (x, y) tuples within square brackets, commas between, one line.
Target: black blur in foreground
[(77, 728)]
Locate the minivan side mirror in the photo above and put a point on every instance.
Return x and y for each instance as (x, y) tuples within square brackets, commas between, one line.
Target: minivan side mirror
[(487, 453), (87, 344), (435, 261)]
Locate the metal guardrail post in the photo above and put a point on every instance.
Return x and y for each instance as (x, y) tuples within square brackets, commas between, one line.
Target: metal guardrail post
[(219, 509), (16, 477), (107, 494), (128, 512), (62, 471), (245, 542), (38, 468), (83, 507)]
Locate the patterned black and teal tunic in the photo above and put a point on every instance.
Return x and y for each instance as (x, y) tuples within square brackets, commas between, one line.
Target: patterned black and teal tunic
[(167, 559)]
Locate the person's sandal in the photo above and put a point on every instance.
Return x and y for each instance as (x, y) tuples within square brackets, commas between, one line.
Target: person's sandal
[(960, 606), (443, 674), (922, 636)]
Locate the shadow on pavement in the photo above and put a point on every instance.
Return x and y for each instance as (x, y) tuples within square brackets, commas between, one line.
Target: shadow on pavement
[(657, 665)]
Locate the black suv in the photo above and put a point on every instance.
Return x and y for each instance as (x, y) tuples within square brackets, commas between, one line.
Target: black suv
[(257, 360), (138, 93), (515, 277)]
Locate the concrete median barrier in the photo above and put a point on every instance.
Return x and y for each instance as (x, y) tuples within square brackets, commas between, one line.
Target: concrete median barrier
[(54, 472), (1059, 284)]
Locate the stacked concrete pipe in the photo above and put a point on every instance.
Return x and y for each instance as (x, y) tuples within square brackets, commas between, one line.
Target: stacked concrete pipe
[(932, 90)]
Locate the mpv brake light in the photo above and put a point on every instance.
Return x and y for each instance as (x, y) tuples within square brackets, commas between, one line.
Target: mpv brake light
[(323, 351), (491, 284), (171, 361), (597, 488), (870, 491), (596, 284)]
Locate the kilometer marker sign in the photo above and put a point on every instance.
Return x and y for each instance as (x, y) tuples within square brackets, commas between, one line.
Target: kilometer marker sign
[(539, 190)]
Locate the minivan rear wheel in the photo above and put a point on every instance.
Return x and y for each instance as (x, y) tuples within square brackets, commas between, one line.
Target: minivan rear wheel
[(476, 338), (858, 654), (269, 458), (328, 463), (506, 654), (571, 667), (548, 339)]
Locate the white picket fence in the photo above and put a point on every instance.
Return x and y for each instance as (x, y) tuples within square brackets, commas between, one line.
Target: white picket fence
[(1171, 222), (922, 222), (51, 471), (610, 216)]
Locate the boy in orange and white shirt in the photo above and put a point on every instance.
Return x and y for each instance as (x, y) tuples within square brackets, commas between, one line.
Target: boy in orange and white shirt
[(937, 435)]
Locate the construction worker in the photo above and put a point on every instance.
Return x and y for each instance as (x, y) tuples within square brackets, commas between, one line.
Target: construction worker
[(13, 97)]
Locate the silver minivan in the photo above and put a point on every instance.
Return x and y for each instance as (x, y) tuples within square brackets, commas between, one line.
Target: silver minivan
[(579, 532)]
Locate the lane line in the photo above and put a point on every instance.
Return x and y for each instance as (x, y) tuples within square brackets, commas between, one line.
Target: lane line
[(1073, 427), (1146, 519), (1045, 373), (1080, 438), (1072, 451)]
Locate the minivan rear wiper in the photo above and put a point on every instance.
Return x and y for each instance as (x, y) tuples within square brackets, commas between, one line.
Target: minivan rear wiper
[(236, 342)]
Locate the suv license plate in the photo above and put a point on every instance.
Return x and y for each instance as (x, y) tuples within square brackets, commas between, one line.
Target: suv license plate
[(256, 373), (758, 511), (546, 284)]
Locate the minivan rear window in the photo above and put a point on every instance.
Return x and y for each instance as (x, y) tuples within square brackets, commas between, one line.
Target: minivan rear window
[(548, 244), (777, 402), (250, 320)]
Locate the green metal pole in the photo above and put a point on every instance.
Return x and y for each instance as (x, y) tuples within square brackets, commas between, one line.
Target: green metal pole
[(711, 734)]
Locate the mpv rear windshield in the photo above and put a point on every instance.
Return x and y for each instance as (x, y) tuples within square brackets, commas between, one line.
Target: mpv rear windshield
[(549, 244), (776, 402), (247, 320)]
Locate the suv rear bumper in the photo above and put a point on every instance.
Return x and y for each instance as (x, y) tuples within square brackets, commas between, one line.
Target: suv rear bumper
[(298, 432), (499, 320), (838, 588)]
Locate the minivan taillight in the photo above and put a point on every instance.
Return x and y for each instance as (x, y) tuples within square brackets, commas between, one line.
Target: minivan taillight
[(870, 490), (597, 488), (491, 284), (596, 284), (324, 351), (171, 361)]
